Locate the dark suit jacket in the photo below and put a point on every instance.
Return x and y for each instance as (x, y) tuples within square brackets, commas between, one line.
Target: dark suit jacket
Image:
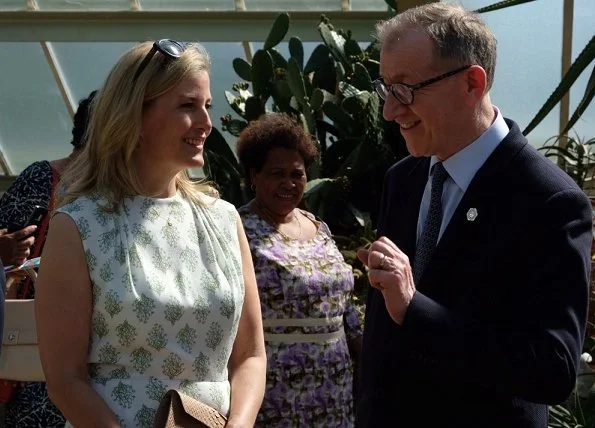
[(496, 327)]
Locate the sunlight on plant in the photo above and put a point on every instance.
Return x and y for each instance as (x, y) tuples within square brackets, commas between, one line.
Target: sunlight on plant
[(576, 158)]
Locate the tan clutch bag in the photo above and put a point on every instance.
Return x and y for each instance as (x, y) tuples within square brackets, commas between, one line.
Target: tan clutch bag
[(178, 410), (19, 359)]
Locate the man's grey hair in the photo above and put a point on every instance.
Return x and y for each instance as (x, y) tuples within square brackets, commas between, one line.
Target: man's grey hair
[(460, 37)]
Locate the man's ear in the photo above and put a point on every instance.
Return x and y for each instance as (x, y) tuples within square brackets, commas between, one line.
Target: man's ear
[(477, 83)]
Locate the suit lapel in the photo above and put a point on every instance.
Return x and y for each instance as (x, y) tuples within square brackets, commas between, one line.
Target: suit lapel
[(477, 196), (418, 176)]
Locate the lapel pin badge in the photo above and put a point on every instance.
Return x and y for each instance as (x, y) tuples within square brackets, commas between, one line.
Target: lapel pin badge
[(472, 214)]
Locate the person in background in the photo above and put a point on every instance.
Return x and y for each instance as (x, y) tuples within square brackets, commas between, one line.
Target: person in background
[(481, 267), (15, 247), (28, 404), (304, 284), (149, 272), (34, 187)]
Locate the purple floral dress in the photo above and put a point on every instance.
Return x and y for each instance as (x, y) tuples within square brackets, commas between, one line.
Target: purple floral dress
[(309, 384)]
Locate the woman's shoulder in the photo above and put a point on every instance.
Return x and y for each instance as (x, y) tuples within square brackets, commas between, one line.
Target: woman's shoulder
[(252, 223), (219, 210), (249, 218), (216, 203), (35, 176), (38, 168), (245, 210), (320, 224), (82, 204)]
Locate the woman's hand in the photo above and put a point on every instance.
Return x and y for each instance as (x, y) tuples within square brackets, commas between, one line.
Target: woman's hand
[(15, 247)]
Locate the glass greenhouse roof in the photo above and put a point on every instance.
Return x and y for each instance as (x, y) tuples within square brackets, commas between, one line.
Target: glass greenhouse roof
[(197, 5), (54, 52)]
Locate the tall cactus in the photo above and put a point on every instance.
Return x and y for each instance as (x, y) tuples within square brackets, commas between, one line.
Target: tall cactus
[(332, 94)]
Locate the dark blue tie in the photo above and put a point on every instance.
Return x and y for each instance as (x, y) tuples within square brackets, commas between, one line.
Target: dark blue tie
[(429, 235)]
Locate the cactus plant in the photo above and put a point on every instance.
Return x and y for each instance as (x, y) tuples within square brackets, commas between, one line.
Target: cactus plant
[(331, 94)]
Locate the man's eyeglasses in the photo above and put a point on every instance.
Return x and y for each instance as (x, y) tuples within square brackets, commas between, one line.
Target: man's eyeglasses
[(404, 92), (170, 48)]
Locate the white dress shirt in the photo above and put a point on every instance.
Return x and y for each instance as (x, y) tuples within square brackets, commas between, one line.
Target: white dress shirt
[(461, 168)]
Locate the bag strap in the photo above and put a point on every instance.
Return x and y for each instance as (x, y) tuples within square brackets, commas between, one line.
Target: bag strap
[(42, 231)]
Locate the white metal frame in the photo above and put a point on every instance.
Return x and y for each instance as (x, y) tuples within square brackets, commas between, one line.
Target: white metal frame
[(122, 26), (34, 25)]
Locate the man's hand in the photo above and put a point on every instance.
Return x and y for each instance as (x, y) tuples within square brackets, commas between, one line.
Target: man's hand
[(15, 247), (390, 272)]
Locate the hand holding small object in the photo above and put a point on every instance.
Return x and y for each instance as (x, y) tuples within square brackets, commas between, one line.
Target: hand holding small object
[(390, 272), (15, 247)]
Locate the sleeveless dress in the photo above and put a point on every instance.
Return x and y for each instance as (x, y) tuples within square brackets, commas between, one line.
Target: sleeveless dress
[(167, 296), (305, 290)]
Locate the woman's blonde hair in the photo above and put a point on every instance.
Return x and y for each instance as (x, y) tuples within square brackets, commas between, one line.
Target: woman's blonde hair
[(105, 165)]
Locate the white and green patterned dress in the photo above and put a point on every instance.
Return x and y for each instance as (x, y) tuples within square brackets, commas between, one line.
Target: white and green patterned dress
[(167, 296)]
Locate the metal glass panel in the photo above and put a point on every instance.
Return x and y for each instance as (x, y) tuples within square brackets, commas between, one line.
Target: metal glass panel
[(83, 5), (115, 5), (203, 5), (293, 5), (368, 5), (11, 5), (34, 122)]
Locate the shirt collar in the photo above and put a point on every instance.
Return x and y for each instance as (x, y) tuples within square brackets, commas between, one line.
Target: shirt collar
[(463, 165)]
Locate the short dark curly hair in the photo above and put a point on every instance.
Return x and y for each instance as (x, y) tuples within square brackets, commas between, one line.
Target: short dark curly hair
[(271, 131), (81, 121)]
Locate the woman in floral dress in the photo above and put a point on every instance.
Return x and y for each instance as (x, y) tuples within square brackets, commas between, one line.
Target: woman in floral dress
[(305, 286), (146, 282)]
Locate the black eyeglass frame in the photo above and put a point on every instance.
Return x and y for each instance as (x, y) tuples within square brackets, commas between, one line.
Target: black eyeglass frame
[(382, 88), (170, 48)]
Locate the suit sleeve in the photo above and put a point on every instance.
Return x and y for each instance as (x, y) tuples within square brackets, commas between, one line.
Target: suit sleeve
[(538, 360)]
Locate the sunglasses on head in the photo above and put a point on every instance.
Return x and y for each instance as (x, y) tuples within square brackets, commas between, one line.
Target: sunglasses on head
[(172, 49)]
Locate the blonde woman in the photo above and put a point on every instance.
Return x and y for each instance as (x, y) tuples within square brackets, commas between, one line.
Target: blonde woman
[(147, 282)]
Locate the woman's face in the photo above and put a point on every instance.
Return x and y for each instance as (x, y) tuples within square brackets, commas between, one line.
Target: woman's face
[(175, 126), (280, 184)]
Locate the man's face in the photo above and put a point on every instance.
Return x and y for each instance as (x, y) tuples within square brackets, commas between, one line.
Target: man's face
[(431, 123)]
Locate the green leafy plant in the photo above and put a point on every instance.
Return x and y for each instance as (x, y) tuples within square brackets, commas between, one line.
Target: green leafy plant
[(331, 95), (575, 156), (580, 64), (586, 57)]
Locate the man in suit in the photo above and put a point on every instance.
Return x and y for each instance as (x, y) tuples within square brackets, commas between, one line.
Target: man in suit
[(480, 273)]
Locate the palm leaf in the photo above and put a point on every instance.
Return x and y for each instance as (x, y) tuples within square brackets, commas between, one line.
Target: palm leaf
[(582, 106), (392, 4), (577, 67), (501, 5), (557, 151)]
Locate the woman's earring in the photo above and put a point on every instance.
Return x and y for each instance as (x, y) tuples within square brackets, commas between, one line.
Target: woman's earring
[(252, 187)]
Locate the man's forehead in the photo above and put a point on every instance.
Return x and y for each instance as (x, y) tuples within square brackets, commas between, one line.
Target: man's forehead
[(405, 56)]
